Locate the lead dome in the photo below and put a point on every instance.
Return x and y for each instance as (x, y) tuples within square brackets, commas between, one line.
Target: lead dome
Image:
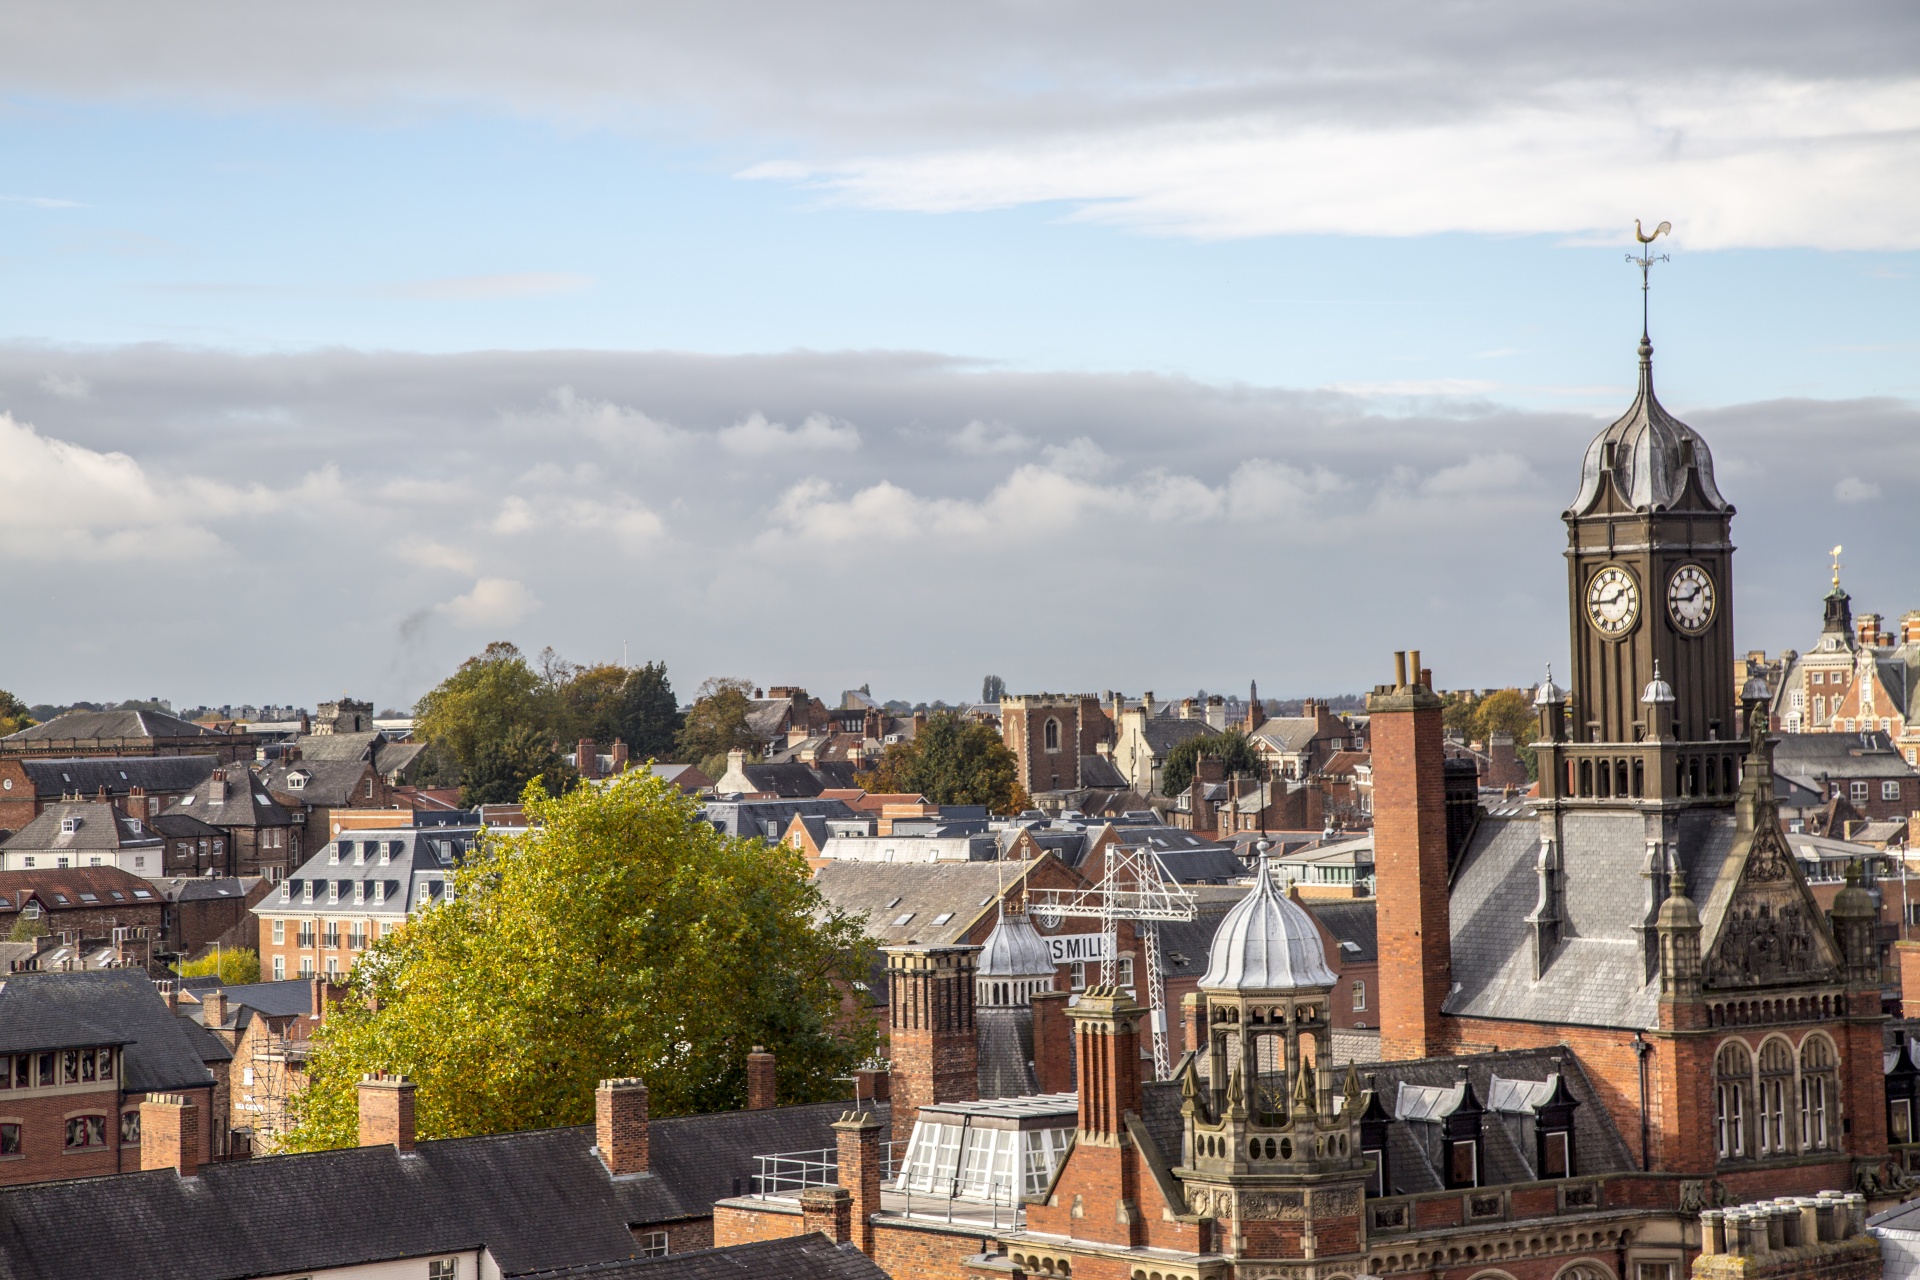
[(1267, 942), (1649, 453)]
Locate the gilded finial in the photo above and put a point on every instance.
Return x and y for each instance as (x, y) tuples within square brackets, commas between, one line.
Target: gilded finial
[(1836, 566)]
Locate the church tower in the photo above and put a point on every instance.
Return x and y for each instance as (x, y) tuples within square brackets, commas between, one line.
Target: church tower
[(1652, 714)]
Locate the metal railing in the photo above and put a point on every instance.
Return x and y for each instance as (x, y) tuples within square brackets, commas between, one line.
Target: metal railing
[(1001, 1195), (785, 1174)]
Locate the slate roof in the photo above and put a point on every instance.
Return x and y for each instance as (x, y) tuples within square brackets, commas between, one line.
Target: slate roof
[(785, 781), (275, 999), (1005, 1041), (118, 774), (76, 889), (1184, 856), (1349, 921), (1810, 756), (205, 888), (246, 802), (107, 1006), (750, 817), (419, 867), (181, 826), (81, 725), (921, 892), (537, 1201), (808, 1257), (1597, 976), (1163, 733), (101, 829), (1098, 771), (1287, 733), (330, 783)]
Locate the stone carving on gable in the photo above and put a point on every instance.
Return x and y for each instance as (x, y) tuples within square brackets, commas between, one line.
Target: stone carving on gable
[(1770, 933)]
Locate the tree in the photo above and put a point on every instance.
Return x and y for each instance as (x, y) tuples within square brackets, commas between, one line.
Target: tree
[(234, 967), (492, 695), (1505, 711), (27, 928), (952, 760), (503, 767), (649, 714), (14, 715), (1233, 749), (717, 722), (992, 689), (618, 936)]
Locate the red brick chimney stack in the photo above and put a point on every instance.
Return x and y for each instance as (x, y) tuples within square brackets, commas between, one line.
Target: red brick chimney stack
[(857, 1140), (213, 1008), (620, 1125), (931, 1036), (1052, 1041), (1410, 861), (586, 758), (170, 1133), (386, 1111), (1106, 1025), (620, 756), (760, 1079), (828, 1210), (1906, 958)]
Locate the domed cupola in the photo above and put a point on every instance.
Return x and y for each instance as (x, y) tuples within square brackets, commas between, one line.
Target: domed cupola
[(1266, 943), (1649, 455), (1014, 962)]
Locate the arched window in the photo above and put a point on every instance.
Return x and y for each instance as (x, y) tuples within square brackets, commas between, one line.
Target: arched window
[(1819, 1093), (1733, 1077), (1776, 1094), (1052, 735)]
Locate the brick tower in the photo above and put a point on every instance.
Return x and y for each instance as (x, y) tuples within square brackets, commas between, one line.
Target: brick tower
[(1410, 861)]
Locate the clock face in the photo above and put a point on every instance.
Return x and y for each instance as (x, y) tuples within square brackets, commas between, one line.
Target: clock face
[(1613, 601), (1690, 598)]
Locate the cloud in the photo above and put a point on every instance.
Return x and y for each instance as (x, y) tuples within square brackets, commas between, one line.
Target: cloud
[(755, 437), (1785, 125), (42, 202), (620, 517), (493, 602), (523, 284), (979, 440), (1854, 489), (67, 388)]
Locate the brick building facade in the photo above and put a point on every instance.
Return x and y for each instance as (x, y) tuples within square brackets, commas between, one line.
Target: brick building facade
[(1050, 733)]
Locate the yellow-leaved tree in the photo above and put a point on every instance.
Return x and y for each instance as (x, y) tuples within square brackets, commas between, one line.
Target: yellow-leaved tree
[(618, 936)]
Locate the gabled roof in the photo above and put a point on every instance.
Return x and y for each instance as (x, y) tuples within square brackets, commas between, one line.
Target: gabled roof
[(370, 747), (904, 901), (768, 818), (107, 1006), (785, 781), (1808, 756), (1163, 734), (275, 999), (97, 827), (1287, 733), (109, 725), (76, 888), (180, 826), (416, 873), (118, 774), (245, 801), (1350, 921), (205, 888), (332, 783), (1098, 771)]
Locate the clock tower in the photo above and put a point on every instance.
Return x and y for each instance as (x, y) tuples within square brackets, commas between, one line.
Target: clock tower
[(1652, 710)]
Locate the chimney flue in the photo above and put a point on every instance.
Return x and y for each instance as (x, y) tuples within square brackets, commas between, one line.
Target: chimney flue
[(1399, 668), (760, 1079), (620, 1125), (386, 1111), (170, 1134)]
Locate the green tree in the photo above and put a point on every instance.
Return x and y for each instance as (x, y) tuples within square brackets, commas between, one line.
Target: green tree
[(14, 715), (619, 936), (1505, 711), (717, 722), (235, 966), (952, 760), (992, 689), (502, 767), (492, 695), (649, 714), (26, 929), (1232, 748)]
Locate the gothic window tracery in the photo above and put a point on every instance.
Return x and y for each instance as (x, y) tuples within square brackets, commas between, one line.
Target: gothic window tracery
[(1733, 1071)]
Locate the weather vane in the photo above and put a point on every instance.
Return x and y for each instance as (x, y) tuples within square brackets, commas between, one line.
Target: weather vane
[(1645, 262)]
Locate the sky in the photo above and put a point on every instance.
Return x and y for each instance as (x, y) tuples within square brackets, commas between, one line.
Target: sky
[(1096, 346)]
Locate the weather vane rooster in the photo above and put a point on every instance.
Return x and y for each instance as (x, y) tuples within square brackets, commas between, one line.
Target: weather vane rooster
[(1647, 257)]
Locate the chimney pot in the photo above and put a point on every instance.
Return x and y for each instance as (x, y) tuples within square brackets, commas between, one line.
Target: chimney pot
[(620, 1125)]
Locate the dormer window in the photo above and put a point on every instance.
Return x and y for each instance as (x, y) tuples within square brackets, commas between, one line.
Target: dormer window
[(297, 780), (333, 892), (69, 825), (308, 896), (360, 891), (335, 853)]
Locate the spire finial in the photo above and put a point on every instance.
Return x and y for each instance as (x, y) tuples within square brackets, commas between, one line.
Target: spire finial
[(1645, 261), (1836, 566)]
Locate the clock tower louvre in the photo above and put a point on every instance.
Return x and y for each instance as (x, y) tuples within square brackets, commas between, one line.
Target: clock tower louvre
[(1653, 714)]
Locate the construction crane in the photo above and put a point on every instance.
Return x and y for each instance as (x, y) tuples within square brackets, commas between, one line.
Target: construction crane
[(1133, 887)]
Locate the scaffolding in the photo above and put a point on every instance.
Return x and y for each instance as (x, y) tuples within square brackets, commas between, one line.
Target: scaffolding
[(1133, 887)]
